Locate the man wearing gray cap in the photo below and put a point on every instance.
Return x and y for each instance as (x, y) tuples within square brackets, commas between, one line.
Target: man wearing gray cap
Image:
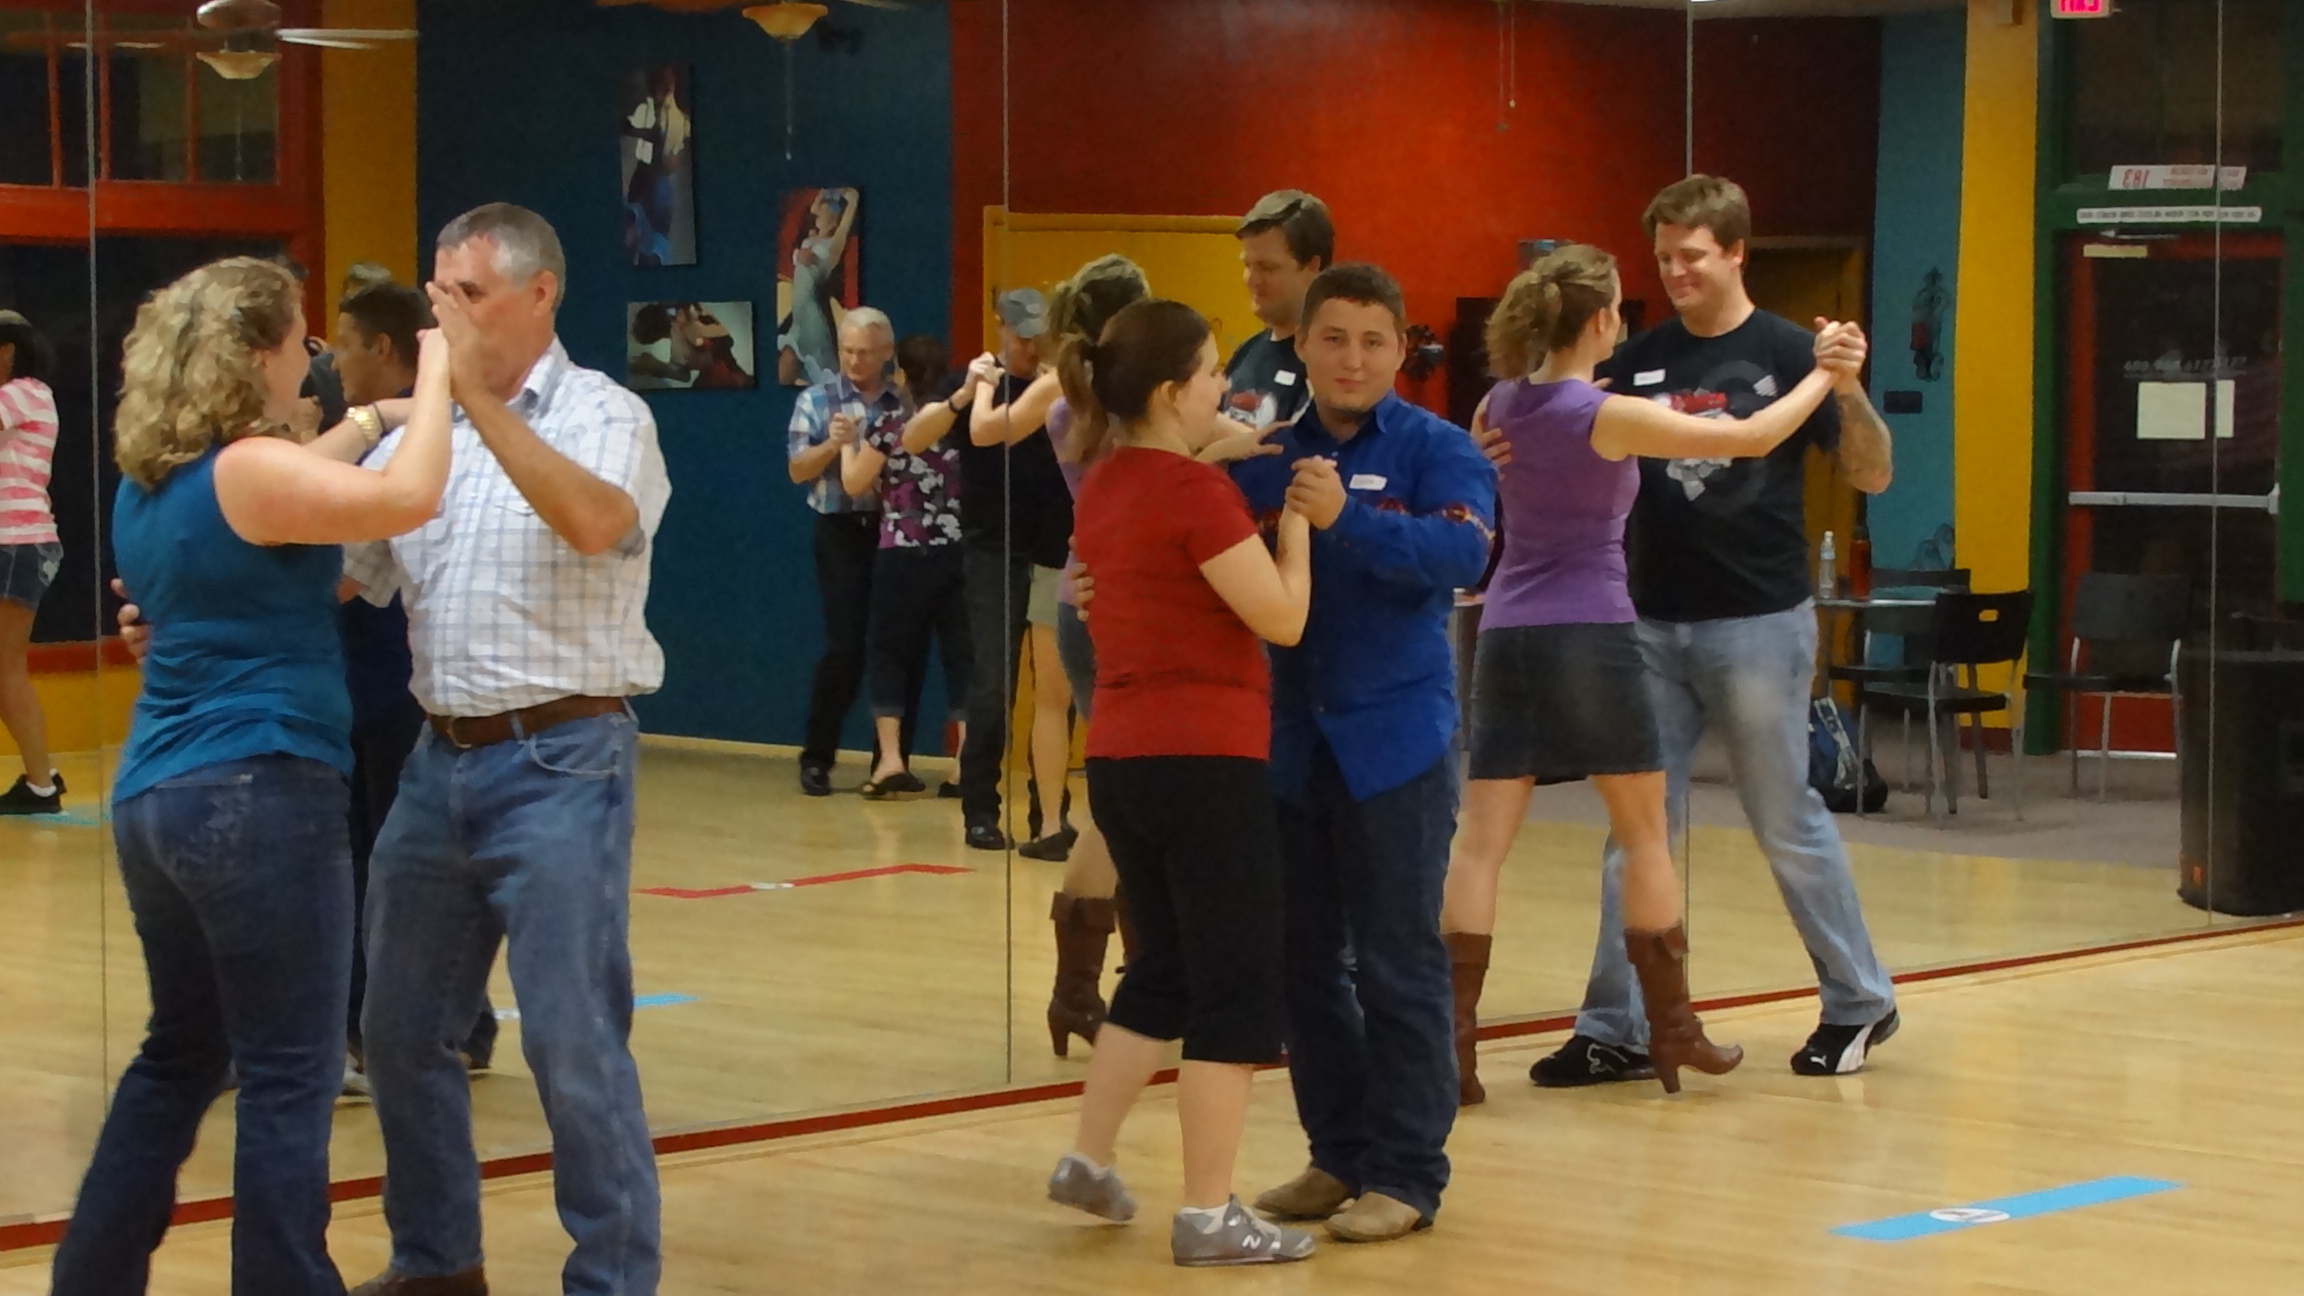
[(1015, 516)]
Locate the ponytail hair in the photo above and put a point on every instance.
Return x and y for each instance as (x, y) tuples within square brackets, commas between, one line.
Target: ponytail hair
[(1547, 308), (1110, 381)]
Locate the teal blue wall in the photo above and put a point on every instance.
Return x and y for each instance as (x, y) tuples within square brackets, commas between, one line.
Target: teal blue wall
[(1923, 64), (518, 102)]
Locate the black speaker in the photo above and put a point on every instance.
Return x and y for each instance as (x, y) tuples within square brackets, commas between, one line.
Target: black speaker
[(2240, 737)]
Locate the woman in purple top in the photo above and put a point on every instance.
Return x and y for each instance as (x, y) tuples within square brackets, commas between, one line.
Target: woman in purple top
[(1559, 692)]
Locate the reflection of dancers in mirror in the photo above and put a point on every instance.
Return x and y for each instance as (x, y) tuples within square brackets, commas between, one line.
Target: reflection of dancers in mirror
[(1087, 907), (661, 130), (1177, 766), (703, 352), (810, 348), (1559, 689)]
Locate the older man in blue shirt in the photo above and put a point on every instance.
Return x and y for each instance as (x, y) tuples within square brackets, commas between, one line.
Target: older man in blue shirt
[(1364, 720)]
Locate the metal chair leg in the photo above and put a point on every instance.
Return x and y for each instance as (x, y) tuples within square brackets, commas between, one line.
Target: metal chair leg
[(1976, 736), (2104, 750)]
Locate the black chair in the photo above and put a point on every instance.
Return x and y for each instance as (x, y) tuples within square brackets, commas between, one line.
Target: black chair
[(1970, 631), (1904, 624), (2125, 631)]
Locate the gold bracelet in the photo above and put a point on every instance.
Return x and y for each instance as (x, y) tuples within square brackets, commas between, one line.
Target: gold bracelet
[(370, 423)]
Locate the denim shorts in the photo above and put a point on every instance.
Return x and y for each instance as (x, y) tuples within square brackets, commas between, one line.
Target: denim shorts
[(1559, 703), (27, 570)]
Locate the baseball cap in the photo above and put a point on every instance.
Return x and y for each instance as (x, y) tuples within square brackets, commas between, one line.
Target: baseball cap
[(1024, 311)]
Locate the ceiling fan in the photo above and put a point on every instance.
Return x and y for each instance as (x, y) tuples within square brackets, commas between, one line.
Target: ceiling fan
[(245, 31)]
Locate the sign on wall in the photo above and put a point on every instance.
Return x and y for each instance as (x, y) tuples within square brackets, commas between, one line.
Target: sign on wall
[(2081, 9), (2128, 179)]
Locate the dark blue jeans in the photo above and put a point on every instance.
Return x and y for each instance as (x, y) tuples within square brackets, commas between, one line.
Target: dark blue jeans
[(240, 878), (528, 843), (1369, 1001)]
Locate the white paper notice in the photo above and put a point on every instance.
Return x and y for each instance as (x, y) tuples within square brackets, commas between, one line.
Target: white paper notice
[(2171, 411), (2226, 392)]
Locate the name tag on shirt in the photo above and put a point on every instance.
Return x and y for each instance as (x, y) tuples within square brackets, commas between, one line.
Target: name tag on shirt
[(1284, 378), (1365, 481), (1647, 377)]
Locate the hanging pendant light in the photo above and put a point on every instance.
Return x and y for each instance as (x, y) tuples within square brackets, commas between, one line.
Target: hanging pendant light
[(787, 21), (238, 65)]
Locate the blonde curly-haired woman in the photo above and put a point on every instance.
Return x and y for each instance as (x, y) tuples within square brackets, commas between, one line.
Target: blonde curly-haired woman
[(229, 805)]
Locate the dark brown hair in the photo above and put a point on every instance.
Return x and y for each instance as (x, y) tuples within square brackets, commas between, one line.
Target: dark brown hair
[(1111, 381), (1301, 219), (1703, 202), (925, 363), (1096, 292), (1363, 285), (1547, 308), (391, 310)]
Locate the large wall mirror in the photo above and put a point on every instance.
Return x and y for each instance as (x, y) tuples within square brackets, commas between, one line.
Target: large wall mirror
[(835, 251)]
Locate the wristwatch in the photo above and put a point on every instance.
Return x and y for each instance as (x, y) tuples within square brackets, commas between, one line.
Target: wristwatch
[(370, 423)]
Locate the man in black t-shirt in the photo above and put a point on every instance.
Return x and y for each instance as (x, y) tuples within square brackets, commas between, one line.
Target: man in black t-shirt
[(1286, 240), (1015, 514), (1719, 567)]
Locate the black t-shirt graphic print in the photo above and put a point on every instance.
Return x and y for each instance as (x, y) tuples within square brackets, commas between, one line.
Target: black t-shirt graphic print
[(1714, 538)]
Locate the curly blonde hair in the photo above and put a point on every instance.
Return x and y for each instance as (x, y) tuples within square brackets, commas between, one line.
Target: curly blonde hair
[(191, 377), (1547, 307)]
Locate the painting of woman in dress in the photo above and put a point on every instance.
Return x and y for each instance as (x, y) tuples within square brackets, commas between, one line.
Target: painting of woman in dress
[(658, 146), (690, 346), (818, 282)]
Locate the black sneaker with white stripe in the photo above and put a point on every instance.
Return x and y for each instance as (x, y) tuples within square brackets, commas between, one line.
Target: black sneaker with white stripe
[(1584, 1060), (1842, 1050)]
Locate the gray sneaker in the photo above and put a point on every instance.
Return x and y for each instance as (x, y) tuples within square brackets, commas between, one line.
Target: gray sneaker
[(1242, 1239), (1082, 1186)]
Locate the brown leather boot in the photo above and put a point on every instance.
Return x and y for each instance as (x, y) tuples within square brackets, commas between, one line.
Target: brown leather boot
[(1083, 933), (1468, 969), (1675, 1036)]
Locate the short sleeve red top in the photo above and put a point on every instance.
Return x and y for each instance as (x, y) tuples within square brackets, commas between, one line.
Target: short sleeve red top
[(1177, 672)]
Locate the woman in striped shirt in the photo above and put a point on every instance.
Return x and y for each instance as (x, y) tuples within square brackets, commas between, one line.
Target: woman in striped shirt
[(29, 553)]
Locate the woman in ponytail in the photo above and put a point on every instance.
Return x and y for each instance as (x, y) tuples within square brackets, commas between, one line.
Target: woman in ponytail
[(1559, 691), (1187, 594)]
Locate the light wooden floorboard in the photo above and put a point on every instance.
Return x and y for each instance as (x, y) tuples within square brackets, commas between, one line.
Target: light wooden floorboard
[(2184, 1064)]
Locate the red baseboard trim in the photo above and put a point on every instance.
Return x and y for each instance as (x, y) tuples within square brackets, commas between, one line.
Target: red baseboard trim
[(39, 1233), (78, 658)]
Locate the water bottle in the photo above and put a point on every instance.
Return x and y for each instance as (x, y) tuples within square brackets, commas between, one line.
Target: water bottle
[(1824, 568)]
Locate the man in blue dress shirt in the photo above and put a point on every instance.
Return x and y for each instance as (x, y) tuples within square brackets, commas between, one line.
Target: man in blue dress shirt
[(1364, 721)]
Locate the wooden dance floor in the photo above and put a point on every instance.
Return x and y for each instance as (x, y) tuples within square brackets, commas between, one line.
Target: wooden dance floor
[(2169, 1082), (798, 955)]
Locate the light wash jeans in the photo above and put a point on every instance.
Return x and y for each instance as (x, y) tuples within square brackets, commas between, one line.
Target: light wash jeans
[(530, 842), (1751, 677)]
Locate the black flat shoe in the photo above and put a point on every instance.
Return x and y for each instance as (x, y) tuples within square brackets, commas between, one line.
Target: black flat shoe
[(816, 780), (901, 783), (986, 837), (1055, 848), (22, 800), (948, 791)]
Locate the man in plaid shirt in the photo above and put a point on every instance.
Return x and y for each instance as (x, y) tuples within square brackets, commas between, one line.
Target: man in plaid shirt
[(525, 601)]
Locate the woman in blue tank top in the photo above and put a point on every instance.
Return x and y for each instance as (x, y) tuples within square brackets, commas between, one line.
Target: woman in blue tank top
[(1560, 691), (229, 805)]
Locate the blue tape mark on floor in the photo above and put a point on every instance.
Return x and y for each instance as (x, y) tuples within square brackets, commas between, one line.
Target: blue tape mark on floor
[(65, 819), (2096, 1192), (639, 1001)]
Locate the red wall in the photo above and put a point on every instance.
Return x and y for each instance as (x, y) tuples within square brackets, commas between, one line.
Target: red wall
[(1790, 109), (1389, 110)]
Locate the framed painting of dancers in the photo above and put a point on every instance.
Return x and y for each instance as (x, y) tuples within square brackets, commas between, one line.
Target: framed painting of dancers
[(689, 346), (656, 115), (816, 281)]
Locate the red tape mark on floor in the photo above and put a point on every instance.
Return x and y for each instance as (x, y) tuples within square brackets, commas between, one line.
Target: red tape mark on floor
[(824, 879)]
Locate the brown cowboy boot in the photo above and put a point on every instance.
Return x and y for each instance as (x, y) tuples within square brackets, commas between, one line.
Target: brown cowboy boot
[(1675, 1036), (1468, 969), (1083, 933)]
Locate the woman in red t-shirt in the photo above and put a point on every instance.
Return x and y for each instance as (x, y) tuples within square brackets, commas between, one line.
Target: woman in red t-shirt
[(1186, 592)]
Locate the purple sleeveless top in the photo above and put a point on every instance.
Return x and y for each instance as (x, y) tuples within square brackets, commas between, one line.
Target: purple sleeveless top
[(1564, 509)]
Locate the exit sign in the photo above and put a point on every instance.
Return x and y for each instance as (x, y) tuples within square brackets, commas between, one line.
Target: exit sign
[(2081, 8)]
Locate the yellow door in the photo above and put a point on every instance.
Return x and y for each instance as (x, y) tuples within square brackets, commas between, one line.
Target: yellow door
[(1800, 282), (1192, 259)]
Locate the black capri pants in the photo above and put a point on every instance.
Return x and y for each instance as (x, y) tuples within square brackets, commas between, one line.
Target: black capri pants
[(916, 592), (1196, 842)]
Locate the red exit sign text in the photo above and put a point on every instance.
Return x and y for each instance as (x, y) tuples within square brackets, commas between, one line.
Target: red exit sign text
[(2081, 8)]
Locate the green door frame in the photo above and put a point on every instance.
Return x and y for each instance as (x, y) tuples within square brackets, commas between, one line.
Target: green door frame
[(2058, 208)]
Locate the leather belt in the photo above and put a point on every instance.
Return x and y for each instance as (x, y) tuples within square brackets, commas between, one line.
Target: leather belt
[(468, 732)]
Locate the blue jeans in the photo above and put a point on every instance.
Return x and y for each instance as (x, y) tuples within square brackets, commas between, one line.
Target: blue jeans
[(1370, 1051), (240, 879), (1750, 676), (528, 840)]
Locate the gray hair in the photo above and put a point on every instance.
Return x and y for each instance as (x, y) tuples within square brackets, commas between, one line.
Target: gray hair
[(526, 243), (867, 317)]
